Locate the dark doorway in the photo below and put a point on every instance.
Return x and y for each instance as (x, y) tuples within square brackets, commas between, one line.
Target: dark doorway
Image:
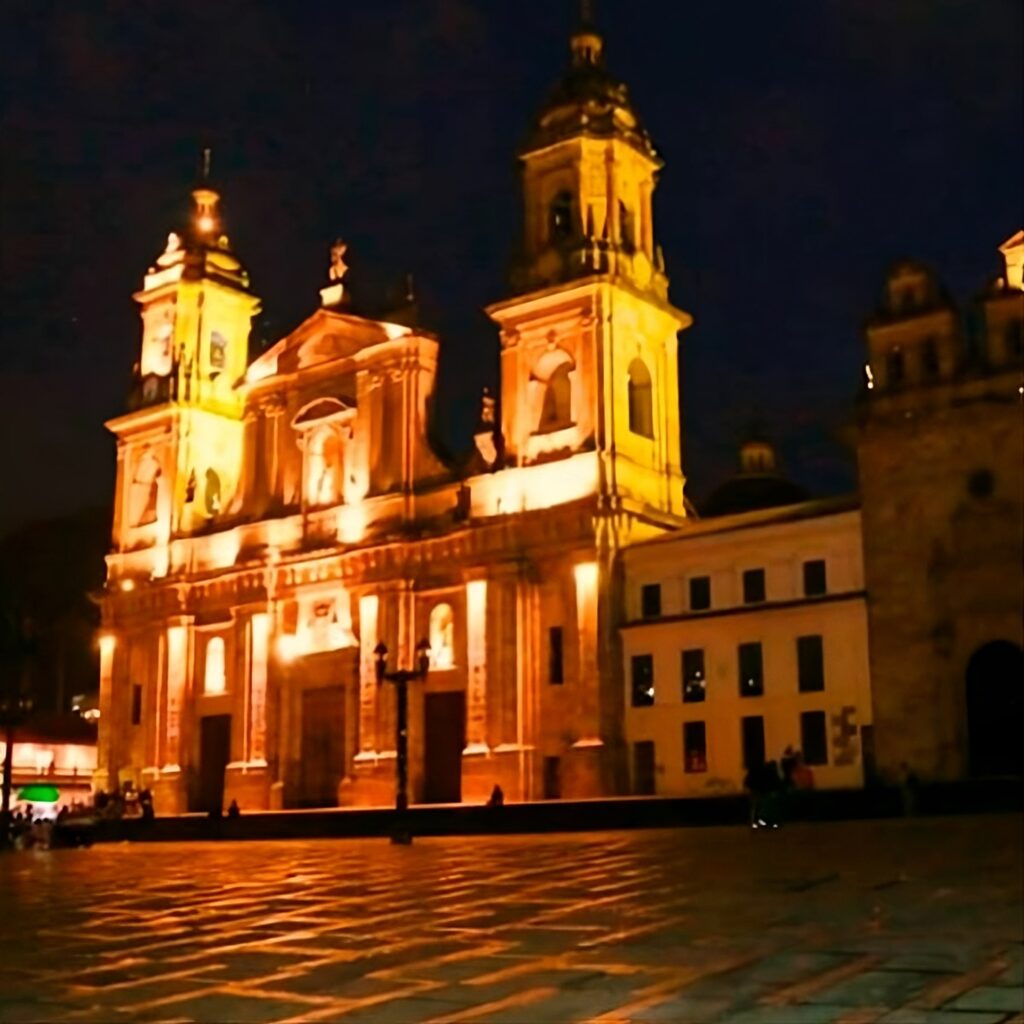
[(995, 709), (214, 754), (643, 768), (753, 741), (444, 727), (323, 746), (552, 778)]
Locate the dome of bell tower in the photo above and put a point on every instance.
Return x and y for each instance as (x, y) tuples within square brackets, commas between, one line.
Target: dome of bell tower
[(588, 100)]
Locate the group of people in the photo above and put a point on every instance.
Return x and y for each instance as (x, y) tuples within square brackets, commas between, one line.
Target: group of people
[(769, 782), (24, 830), (128, 802)]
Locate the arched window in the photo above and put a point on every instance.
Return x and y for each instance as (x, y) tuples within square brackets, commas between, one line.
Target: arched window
[(641, 399), (556, 412), (627, 227), (215, 678), (156, 352), (560, 216), (145, 491), (552, 379), (442, 637), (323, 467)]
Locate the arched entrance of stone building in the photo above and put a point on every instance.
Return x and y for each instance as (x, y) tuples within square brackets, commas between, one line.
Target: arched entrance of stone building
[(995, 709)]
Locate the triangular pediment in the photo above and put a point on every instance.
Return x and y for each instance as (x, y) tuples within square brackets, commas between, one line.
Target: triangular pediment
[(326, 336)]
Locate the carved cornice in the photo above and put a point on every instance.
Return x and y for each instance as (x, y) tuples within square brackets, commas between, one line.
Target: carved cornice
[(500, 547)]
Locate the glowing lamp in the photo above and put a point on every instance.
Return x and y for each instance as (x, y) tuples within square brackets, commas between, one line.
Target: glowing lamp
[(206, 223), (287, 647)]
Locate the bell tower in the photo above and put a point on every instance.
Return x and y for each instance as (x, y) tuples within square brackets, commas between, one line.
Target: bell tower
[(180, 444), (589, 341)]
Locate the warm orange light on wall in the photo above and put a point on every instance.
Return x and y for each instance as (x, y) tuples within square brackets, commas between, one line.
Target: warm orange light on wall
[(215, 676), (287, 647), (586, 578)]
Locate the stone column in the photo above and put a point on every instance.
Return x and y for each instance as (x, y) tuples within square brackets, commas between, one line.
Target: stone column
[(105, 740), (587, 575), (369, 607), (179, 652), (476, 667), (256, 705)]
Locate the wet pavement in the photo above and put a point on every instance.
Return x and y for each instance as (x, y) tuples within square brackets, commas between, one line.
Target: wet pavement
[(899, 922)]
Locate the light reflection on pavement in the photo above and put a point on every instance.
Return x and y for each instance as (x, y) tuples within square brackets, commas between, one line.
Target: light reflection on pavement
[(900, 922)]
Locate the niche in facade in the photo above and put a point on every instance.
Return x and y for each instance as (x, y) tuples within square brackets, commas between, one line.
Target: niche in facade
[(144, 496), (324, 427), (442, 636), (552, 386), (215, 675), (641, 399)]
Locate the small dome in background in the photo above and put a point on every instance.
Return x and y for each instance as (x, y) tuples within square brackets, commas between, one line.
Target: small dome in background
[(758, 484)]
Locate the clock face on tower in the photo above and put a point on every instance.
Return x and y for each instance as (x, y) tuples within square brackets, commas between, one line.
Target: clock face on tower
[(157, 347)]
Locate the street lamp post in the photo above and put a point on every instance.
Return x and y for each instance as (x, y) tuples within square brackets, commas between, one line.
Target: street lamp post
[(15, 707), (16, 648), (401, 678)]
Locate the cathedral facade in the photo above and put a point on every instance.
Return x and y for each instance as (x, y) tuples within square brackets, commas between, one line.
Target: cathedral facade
[(282, 523), (277, 519)]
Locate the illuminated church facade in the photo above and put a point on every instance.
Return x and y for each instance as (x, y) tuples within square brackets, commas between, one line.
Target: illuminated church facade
[(276, 519), (279, 517)]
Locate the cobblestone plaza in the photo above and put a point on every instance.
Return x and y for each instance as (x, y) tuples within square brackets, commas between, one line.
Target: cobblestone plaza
[(899, 922)]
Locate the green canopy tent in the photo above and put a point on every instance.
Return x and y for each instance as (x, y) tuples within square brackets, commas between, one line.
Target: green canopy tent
[(39, 793)]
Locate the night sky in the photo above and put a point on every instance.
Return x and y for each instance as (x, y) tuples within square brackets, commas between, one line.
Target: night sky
[(807, 146)]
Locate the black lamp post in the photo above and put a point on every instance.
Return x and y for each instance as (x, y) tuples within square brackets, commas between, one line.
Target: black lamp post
[(401, 678), (17, 645)]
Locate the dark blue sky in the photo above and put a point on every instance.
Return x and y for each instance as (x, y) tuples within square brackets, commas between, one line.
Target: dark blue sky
[(807, 144)]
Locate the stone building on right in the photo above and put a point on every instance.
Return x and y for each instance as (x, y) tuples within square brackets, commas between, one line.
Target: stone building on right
[(941, 464)]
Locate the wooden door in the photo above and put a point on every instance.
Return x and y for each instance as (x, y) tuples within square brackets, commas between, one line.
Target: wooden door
[(444, 726), (322, 761), (643, 768), (214, 755), (552, 778)]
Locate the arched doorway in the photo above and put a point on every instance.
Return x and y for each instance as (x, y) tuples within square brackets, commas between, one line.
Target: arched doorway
[(995, 709)]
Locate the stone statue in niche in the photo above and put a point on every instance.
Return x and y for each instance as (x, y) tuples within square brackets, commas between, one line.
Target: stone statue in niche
[(145, 491), (338, 267), (212, 492), (442, 637)]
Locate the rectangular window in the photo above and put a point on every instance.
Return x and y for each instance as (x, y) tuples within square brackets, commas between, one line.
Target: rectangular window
[(136, 704), (894, 368), (556, 669), (700, 593), (643, 680), (650, 600), (813, 740), (751, 670), (753, 741), (694, 683), (814, 578), (753, 586), (810, 658), (695, 747), (930, 358)]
